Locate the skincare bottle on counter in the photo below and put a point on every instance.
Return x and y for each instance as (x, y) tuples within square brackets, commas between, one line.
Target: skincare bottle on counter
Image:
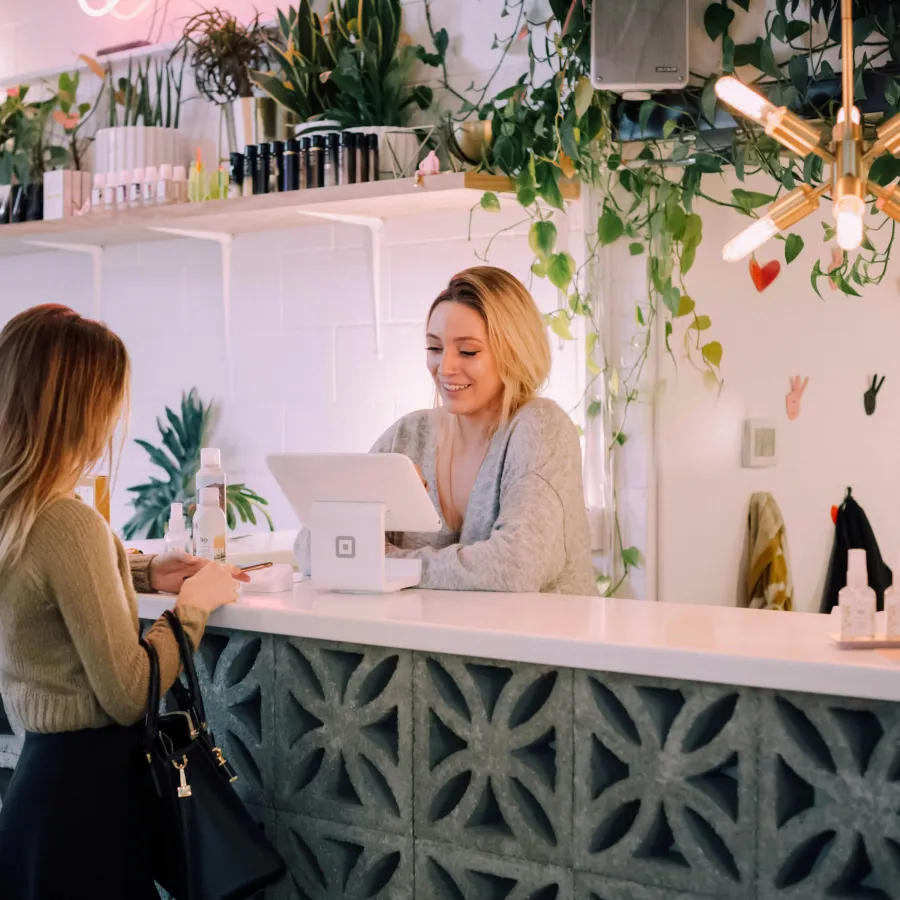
[(857, 600), (179, 185), (109, 192), (210, 527), (177, 539), (151, 178), (372, 155), (303, 162), (97, 193), (123, 180), (332, 161), (136, 189), (291, 175), (211, 474), (317, 163), (276, 166), (261, 176), (250, 154), (892, 608), (164, 194), (362, 159)]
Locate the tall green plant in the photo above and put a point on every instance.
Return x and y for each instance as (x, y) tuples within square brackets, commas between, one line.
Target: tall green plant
[(183, 436), (149, 94)]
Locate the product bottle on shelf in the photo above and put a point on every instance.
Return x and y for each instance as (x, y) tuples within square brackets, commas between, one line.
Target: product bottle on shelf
[(177, 539), (151, 179), (98, 201), (110, 191), (164, 194), (136, 189), (236, 181), (122, 189), (857, 601), (210, 527), (211, 474), (892, 607), (179, 185)]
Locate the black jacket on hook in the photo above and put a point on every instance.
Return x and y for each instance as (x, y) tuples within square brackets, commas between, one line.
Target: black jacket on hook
[(853, 532)]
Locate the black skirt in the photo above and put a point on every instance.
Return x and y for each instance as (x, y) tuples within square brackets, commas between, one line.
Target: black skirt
[(74, 822)]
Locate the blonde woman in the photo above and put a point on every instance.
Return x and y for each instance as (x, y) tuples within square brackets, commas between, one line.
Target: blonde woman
[(72, 673), (502, 466)]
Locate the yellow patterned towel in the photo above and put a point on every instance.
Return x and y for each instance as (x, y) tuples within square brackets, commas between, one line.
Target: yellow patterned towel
[(769, 583)]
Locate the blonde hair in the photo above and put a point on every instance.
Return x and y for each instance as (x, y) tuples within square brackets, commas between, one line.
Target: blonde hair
[(63, 387), (516, 332)]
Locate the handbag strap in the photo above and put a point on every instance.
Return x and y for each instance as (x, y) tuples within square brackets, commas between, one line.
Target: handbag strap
[(192, 696), (151, 718)]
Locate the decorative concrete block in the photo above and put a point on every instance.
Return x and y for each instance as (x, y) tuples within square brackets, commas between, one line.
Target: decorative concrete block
[(332, 861), (452, 873), (665, 783), (829, 796), (493, 757), (344, 724), (596, 887), (236, 672)]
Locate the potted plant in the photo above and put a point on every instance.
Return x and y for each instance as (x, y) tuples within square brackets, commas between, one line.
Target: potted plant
[(353, 66), (224, 54), (144, 112), (183, 436)]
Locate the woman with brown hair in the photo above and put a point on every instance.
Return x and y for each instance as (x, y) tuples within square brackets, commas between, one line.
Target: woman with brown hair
[(73, 675), (502, 465)]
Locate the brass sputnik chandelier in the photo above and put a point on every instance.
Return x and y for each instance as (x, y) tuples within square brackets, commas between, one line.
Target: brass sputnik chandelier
[(848, 156)]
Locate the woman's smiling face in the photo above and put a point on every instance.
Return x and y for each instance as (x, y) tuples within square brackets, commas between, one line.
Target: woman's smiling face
[(460, 360)]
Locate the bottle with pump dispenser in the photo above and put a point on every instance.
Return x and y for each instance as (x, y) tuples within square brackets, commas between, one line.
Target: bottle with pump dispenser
[(857, 601), (210, 527), (211, 474), (177, 539)]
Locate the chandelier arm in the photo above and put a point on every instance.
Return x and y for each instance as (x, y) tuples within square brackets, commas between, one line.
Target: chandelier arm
[(824, 155), (847, 56)]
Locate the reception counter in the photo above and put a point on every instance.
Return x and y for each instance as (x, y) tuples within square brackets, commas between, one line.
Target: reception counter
[(481, 746)]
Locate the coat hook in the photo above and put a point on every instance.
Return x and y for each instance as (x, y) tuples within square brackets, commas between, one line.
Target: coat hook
[(870, 398), (792, 401)]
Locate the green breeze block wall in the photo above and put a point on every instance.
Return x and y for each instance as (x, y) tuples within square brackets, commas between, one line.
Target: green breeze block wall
[(395, 774)]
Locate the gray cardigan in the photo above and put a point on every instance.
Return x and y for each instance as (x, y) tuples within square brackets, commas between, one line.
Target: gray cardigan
[(525, 528)]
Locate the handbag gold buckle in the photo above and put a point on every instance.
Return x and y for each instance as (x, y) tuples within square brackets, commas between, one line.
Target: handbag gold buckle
[(184, 789), (220, 757)]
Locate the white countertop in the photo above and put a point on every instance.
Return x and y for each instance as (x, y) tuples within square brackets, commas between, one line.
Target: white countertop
[(786, 651)]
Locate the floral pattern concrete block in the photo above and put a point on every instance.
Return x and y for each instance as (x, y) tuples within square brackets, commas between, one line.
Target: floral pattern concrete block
[(493, 757), (829, 798), (236, 672), (329, 860), (447, 873), (344, 717), (665, 783)]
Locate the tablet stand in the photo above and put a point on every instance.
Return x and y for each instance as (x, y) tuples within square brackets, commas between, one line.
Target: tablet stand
[(347, 550)]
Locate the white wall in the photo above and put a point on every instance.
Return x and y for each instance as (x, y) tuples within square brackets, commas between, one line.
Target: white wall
[(786, 330)]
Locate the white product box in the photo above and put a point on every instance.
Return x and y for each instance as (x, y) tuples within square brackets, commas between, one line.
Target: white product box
[(59, 193)]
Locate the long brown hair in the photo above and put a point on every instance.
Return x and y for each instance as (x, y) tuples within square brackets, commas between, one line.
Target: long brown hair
[(516, 332), (63, 387)]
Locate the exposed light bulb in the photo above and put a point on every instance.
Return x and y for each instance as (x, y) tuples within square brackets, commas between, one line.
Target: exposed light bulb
[(849, 214), (745, 100), (98, 11), (749, 239), (854, 115)]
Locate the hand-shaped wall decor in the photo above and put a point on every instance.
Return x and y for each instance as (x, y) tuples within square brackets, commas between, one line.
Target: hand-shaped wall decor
[(792, 401), (871, 395)]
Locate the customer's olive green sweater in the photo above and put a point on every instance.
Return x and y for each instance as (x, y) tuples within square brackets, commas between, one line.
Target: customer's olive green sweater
[(69, 651)]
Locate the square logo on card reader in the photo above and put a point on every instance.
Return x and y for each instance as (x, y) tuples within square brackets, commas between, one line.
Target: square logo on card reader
[(345, 547)]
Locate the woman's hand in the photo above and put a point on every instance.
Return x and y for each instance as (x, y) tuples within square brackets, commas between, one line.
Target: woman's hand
[(169, 570), (215, 584)]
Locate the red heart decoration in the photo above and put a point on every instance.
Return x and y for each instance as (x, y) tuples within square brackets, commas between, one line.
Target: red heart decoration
[(834, 514), (763, 276)]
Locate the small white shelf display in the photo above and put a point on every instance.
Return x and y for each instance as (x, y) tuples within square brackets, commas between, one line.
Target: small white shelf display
[(879, 642)]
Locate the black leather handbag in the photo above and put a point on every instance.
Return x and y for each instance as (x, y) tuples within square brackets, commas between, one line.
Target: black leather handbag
[(206, 846)]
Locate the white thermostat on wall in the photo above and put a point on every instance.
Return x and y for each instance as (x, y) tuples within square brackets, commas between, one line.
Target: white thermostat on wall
[(759, 445)]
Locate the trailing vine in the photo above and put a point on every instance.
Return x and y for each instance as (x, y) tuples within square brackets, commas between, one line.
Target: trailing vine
[(648, 162)]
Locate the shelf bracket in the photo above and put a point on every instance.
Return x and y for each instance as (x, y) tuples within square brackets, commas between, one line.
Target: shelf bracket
[(225, 241), (95, 251), (376, 234)]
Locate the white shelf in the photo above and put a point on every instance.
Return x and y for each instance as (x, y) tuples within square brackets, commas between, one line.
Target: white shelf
[(374, 200)]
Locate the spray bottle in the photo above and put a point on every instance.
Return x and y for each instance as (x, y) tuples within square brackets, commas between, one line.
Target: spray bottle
[(857, 600), (211, 474), (210, 527), (177, 538)]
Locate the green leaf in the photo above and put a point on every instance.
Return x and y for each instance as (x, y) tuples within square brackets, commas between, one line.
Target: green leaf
[(702, 323), (609, 227), (549, 186), (814, 277), (793, 246), (891, 91), (490, 201), (708, 99), (526, 195), (748, 200), (561, 270), (743, 4), (621, 438), (671, 297), (798, 70), (584, 94), (669, 330), (767, 60), (646, 111), (706, 162), (794, 29), (542, 238), (539, 268), (748, 54), (639, 316), (668, 127), (727, 54), (559, 325), (636, 248), (594, 409), (685, 306), (590, 342), (716, 20), (885, 169), (712, 353), (631, 556)]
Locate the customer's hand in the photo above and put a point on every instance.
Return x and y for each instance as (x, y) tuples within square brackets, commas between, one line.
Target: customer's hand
[(169, 570), (215, 585)]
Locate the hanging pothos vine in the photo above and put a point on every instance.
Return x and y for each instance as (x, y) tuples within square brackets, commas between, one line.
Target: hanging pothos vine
[(552, 127)]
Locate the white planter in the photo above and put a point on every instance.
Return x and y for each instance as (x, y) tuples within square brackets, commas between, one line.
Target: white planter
[(398, 149), (128, 147), (323, 126)]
